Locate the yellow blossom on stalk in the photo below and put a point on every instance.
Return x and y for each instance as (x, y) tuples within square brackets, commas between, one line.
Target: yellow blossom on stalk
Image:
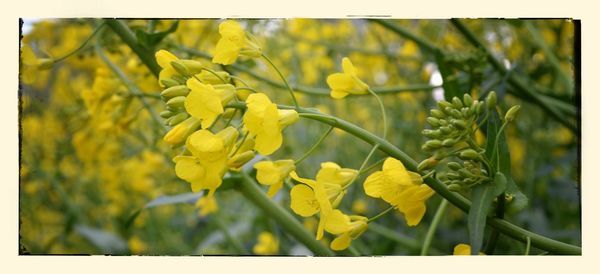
[(265, 121), (207, 205), (205, 168), (234, 42), (321, 195), (463, 249), (267, 244), (205, 102), (345, 83), (401, 188), (273, 174)]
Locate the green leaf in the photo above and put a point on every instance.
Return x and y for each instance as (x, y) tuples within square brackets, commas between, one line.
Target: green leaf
[(502, 160), (189, 198), (482, 197), (150, 40)]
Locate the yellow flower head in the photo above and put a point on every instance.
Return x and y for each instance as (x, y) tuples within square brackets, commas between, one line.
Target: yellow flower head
[(205, 103), (265, 121), (207, 205), (322, 195), (205, 168), (273, 174), (267, 244), (463, 249), (345, 83), (400, 188), (233, 43)]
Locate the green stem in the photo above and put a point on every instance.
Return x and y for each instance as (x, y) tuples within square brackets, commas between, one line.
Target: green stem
[(314, 146), (98, 28), (383, 115), (371, 166), (457, 200), (431, 232), (284, 80), (380, 214), (250, 189), (362, 166), (528, 247)]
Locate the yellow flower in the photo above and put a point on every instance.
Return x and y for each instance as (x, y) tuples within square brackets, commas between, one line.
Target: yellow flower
[(352, 226), (401, 188), (205, 168), (342, 84), (233, 43), (181, 131), (463, 249), (265, 121), (136, 245), (165, 58), (205, 103), (273, 174), (322, 195), (207, 205), (267, 244)]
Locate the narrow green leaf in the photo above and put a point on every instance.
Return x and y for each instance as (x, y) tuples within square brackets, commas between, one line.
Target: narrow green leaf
[(106, 242), (482, 197)]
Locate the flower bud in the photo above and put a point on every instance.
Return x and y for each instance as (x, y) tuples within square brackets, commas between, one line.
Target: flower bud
[(459, 124), (444, 104), (454, 166), (512, 113), (180, 132), (240, 159), (454, 187), (490, 101), (434, 122), (180, 67), (287, 117), (169, 82), (432, 144), (166, 114), (449, 142), (176, 102), (468, 154), (457, 103), (438, 114), (173, 121), (427, 164), (208, 77), (446, 129), (174, 91), (479, 108), (433, 134), (468, 100)]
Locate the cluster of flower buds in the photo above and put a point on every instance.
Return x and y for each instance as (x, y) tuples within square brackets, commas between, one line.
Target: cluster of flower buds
[(453, 127)]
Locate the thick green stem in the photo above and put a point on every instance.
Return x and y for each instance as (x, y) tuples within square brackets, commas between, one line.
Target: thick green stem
[(250, 189), (432, 228)]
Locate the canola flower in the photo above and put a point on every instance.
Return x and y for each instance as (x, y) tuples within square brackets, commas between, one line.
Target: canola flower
[(267, 244), (233, 43), (273, 174), (322, 195), (400, 188), (345, 83), (265, 122), (463, 250), (205, 102)]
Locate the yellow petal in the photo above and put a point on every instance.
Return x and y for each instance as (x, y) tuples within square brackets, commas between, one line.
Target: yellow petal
[(303, 201), (188, 168), (164, 58), (203, 102), (337, 222), (267, 173), (273, 189), (232, 30), (332, 173), (375, 185), (206, 145), (340, 82), (338, 94), (396, 172), (226, 52), (347, 66), (341, 242)]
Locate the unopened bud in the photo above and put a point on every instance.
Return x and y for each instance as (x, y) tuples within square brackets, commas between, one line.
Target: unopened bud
[(427, 164), (166, 114), (180, 67), (169, 83), (457, 103), (438, 114), (444, 104), (446, 130), (454, 187), (176, 102), (460, 124), (174, 91), (490, 101), (449, 142), (432, 144), (434, 122), (175, 120), (454, 166), (468, 154), (512, 113), (468, 100), (433, 134), (479, 108)]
